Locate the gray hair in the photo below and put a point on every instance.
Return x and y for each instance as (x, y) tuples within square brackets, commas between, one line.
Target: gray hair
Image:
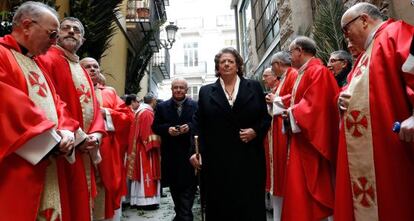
[(33, 10), (307, 44), (179, 79), (149, 97), (283, 57), (369, 9), (73, 19), (341, 54)]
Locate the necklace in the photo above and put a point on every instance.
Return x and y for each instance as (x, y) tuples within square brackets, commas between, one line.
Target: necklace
[(229, 94)]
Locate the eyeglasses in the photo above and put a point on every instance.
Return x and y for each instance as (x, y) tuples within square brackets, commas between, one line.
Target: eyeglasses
[(76, 29), (53, 35), (346, 26), (275, 62), (333, 60), (291, 50)]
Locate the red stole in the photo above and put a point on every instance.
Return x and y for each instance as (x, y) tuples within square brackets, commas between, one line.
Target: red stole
[(111, 169), (80, 176), (275, 177), (308, 190), (391, 99), (22, 183), (144, 153)]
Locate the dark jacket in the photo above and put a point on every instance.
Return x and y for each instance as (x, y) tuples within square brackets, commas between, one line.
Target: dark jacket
[(175, 151), (234, 171)]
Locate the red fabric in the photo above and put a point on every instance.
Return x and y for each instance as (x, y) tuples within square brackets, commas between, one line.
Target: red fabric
[(21, 183), (58, 69), (309, 190), (148, 153), (391, 99), (112, 168), (279, 141)]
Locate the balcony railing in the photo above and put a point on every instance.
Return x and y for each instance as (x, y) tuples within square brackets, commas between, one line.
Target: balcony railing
[(141, 11), (182, 68), (161, 61)]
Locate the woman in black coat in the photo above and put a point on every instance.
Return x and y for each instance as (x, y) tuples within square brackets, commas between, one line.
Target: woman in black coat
[(232, 121)]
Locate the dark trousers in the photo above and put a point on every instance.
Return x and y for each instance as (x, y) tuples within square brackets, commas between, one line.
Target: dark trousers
[(183, 198)]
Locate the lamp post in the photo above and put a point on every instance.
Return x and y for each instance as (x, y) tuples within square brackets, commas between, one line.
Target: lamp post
[(171, 30)]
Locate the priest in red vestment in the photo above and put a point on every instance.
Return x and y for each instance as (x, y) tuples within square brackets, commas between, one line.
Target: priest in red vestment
[(376, 165), (314, 120), (270, 82), (143, 163), (75, 87), (36, 131), (281, 67), (111, 184)]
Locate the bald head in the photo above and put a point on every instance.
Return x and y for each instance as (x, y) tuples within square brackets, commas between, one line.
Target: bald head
[(179, 87), (35, 27), (269, 79), (32, 10), (359, 21), (364, 8), (92, 67)]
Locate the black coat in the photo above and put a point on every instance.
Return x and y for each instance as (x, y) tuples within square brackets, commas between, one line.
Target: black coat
[(234, 171), (176, 169)]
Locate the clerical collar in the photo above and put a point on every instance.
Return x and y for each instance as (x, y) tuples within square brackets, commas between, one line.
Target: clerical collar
[(25, 51), (72, 57), (303, 67), (371, 35)]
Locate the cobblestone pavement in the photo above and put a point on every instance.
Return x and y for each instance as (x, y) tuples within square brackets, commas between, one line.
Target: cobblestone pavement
[(165, 212)]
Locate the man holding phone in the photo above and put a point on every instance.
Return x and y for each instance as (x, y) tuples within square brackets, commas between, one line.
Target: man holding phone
[(172, 122)]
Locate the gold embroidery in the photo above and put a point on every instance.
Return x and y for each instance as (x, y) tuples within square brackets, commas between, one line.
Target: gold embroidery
[(99, 206), (39, 91), (358, 133), (50, 201), (40, 94), (153, 137), (84, 92), (132, 156), (87, 162)]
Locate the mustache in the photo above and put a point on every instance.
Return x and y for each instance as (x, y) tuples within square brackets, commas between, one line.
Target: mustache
[(67, 37)]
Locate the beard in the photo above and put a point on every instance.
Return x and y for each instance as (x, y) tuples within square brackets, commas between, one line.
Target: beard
[(69, 43)]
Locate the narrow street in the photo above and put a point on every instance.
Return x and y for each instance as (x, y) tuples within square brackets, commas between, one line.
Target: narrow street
[(166, 211)]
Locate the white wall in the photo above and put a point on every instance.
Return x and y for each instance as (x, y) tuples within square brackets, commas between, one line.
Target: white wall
[(210, 37)]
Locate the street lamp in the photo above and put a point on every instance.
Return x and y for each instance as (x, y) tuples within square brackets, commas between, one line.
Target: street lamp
[(171, 30)]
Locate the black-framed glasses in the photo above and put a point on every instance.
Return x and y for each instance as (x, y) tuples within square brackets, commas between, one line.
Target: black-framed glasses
[(291, 50), (53, 35), (333, 60), (76, 29), (346, 26)]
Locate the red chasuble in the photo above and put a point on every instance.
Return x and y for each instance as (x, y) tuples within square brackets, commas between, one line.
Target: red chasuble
[(112, 169), (144, 150), (276, 157), (309, 190), (390, 98), (80, 178), (21, 119)]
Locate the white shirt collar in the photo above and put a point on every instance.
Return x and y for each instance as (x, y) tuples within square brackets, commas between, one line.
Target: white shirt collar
[(231, 98), (371, 35)]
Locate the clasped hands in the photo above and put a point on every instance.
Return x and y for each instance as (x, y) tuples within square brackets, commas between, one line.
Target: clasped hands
[(246, 135), (177, 130), (91, 142)]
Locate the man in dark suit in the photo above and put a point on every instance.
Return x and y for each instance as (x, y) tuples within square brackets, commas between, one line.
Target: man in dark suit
[(173, 123)]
